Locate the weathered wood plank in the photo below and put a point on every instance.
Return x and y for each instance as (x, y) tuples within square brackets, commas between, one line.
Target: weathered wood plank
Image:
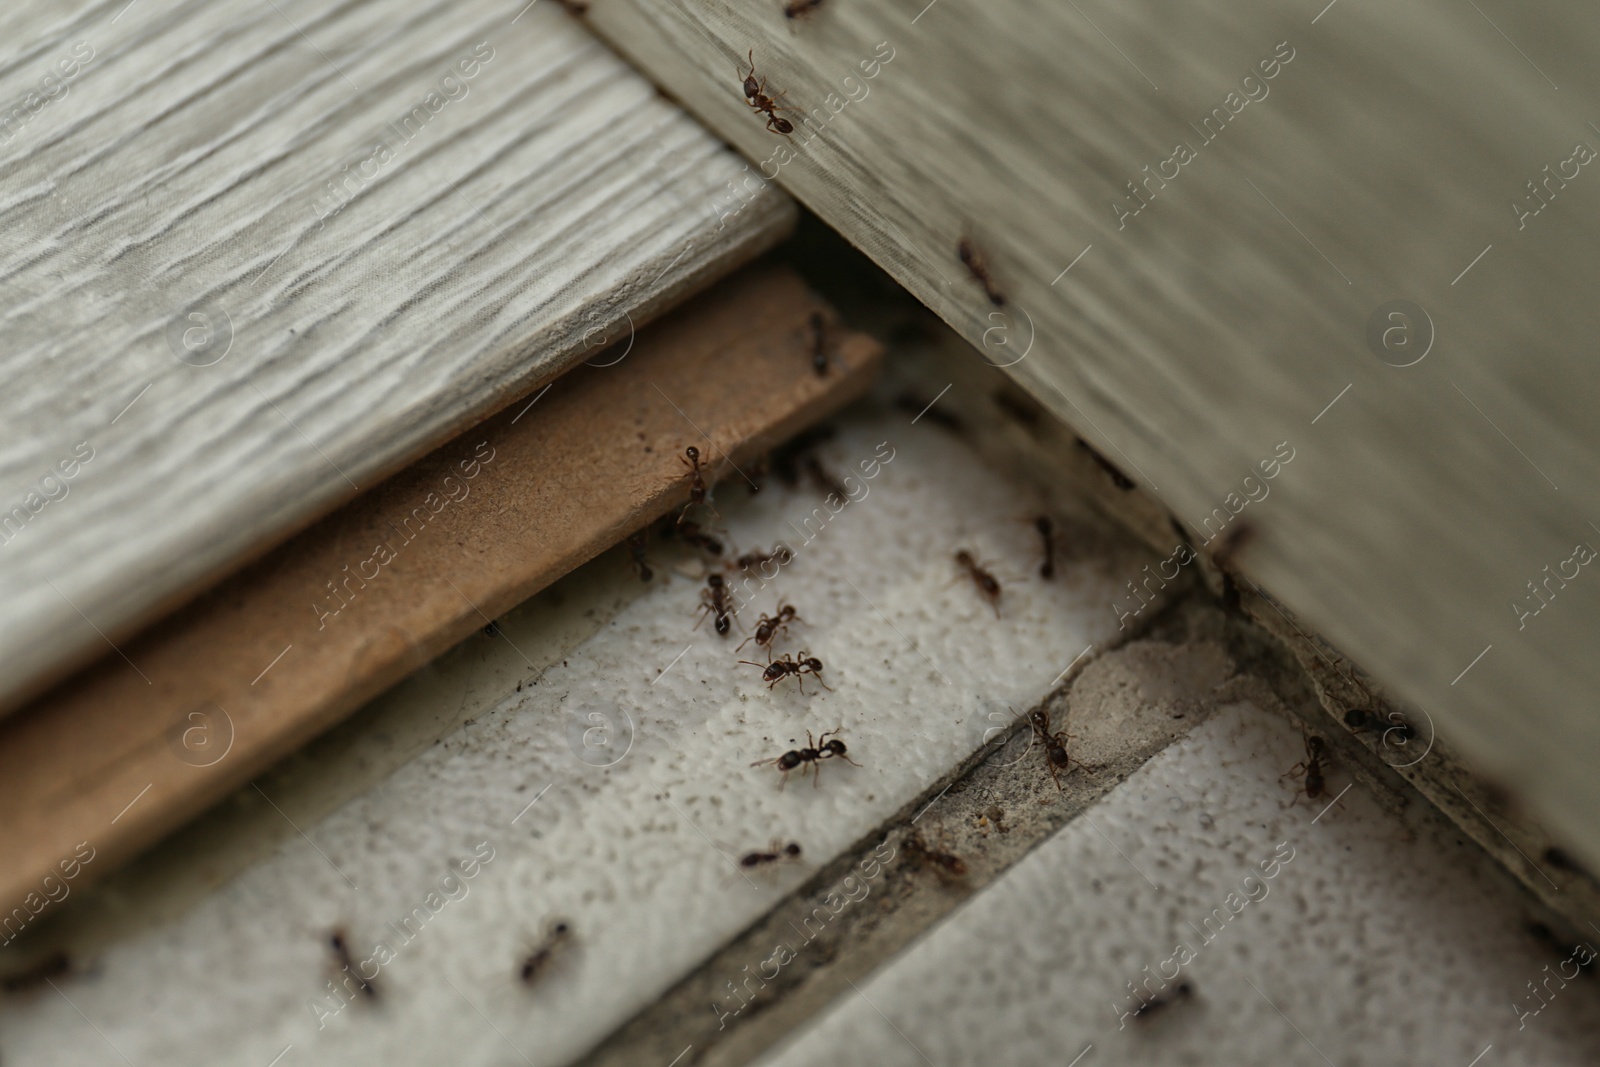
[(373, 223), (1333, 159), (281, 651)]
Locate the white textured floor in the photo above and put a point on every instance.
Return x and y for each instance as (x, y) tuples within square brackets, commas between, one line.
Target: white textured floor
[(1381, 941), (623, 852)]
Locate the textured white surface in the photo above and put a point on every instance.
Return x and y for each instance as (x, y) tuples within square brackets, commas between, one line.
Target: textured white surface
[(1381, 941), (625, 853)]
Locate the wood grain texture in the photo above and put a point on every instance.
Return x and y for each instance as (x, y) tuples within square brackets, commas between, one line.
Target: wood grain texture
[(1388, 156), (392, 219), (276, 654)]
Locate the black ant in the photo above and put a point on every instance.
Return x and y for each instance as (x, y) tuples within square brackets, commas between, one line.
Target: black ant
[(777, 852), (714, 601), (1562, 860), (492, 630), (786, 457), (825, 481), (945, 864), (810, 756), (636, 545), (780, 552), (800, 8), (1118, 479), (697, 482), (1047, 531), (767, 627), (341, 954), (556, 939), (755, 94), (987, 583), (777, 670), (1056, 760), (979, 269), (1181, 991), (1310, 768), (693, 535), (56, 965), (1020, 407), (819, 341), (1234, 541)]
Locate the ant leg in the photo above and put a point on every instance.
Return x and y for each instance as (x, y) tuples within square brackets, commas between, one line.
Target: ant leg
[(820, 682)]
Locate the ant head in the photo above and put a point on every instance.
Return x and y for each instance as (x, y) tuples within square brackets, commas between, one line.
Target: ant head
[(560, 928), (1044, 525), (714, 581), (964, 250), (964, 558), (813, 663), (835, 746), (791, 849), (692, 452)]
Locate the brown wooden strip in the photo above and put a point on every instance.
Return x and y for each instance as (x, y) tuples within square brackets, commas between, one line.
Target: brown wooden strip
[(290, 645)]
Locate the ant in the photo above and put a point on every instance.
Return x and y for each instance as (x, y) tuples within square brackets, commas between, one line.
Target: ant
[(1020, 408), (1056, 760), (692, 535), (767, 628), (1047, 531), (341, 955), (556, 939), (780, 552), (777, 670), (786, 457), (945, 864), (1181, 991), (1310, 768), (777, 852), (697, 482), (636, 545), (714, 601), (987, 583), (56, 965), (795, 9), (978, 267), (825, 481), (755, 94), (1118, 479), (819, 342), (492, 630), (1235, 540), (812, 755)]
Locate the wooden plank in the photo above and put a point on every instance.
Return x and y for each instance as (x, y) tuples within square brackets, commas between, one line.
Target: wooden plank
[(282, 650), (1334, 159), (256, 257)]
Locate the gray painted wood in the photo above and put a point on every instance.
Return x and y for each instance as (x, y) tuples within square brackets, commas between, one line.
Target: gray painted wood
[(1381, 160), (226, 308)]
